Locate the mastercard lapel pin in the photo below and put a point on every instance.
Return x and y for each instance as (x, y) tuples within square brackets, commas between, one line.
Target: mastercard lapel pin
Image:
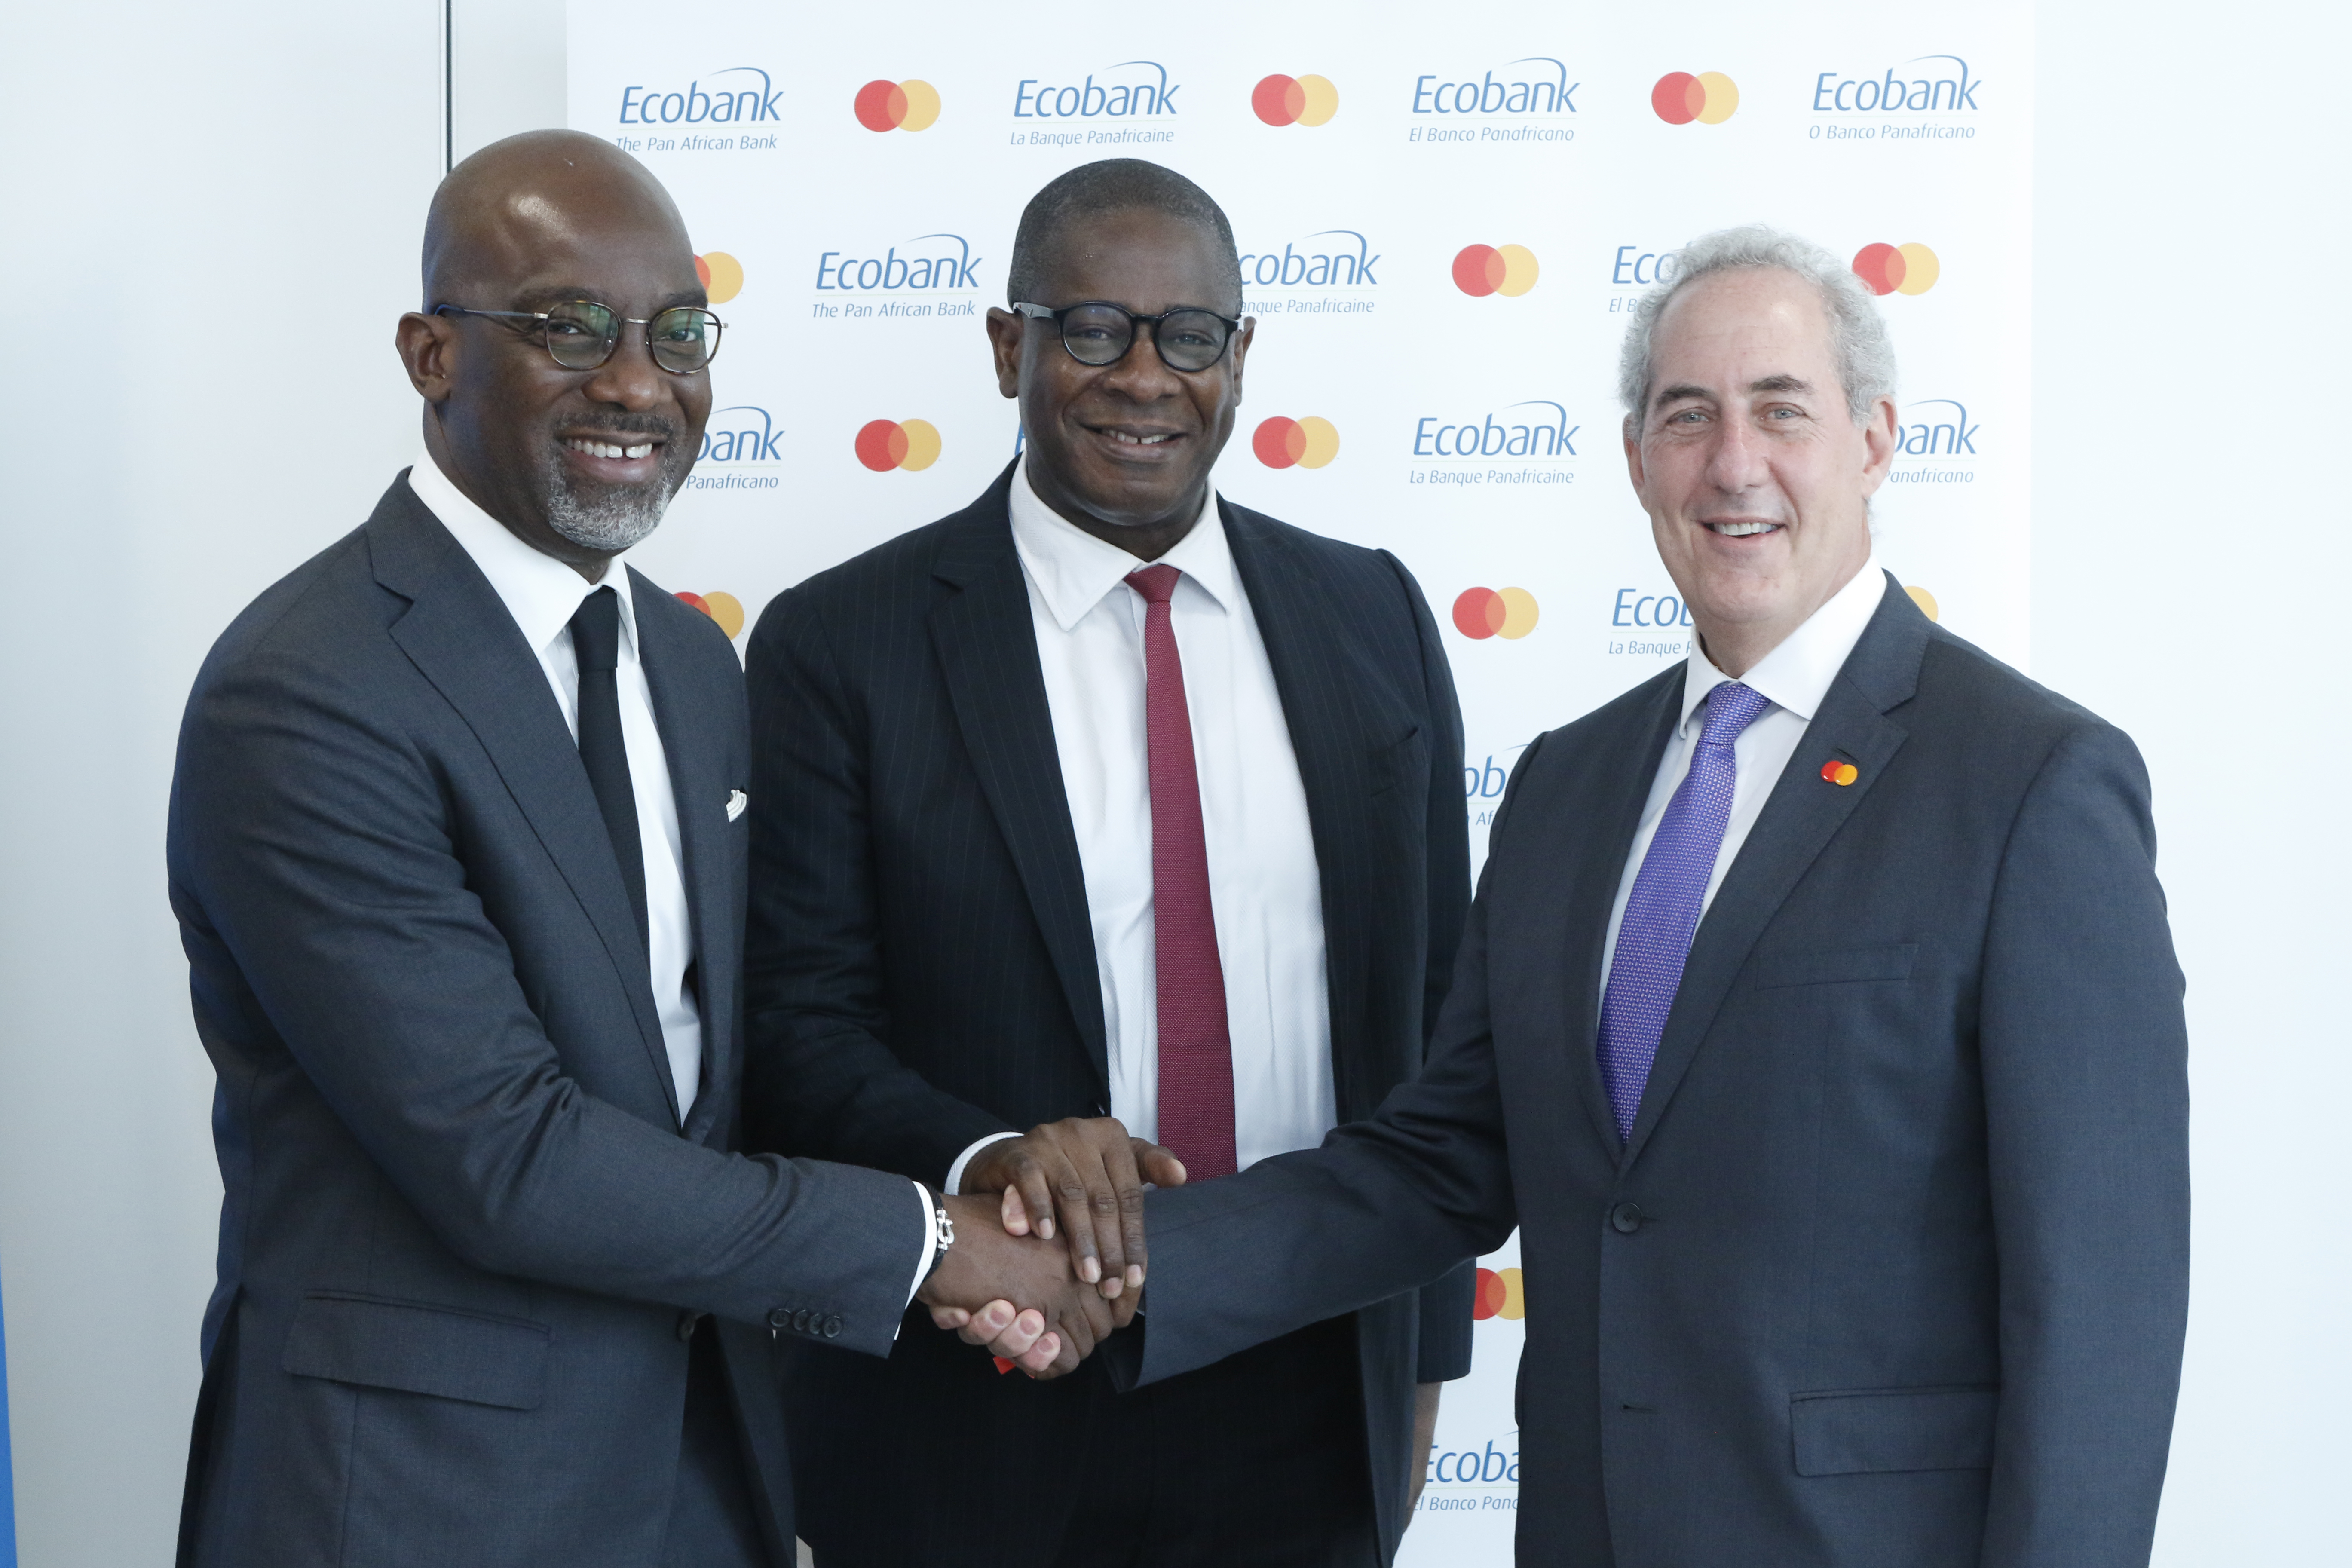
[(1839, 772)]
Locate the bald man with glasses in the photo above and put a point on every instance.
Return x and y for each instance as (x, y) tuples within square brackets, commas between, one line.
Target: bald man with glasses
[(458, 848)]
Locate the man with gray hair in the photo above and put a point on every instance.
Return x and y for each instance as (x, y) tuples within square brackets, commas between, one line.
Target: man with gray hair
[(1818, 1024)]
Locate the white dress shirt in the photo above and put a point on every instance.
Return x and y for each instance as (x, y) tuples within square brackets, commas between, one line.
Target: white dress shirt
[(1793, 678), (1265, 887), (542, 594)]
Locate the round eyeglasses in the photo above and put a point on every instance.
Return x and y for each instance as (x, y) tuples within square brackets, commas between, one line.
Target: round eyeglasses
[(581, 334), (1096, 332)]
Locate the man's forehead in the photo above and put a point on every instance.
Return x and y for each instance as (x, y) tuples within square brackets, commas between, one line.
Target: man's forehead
[(1743, 334)]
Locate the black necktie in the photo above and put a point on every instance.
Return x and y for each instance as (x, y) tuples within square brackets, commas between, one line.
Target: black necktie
[(596, 641)]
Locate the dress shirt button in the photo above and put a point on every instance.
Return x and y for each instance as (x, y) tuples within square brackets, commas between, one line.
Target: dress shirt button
[(686, 1322), (779, 1319), (801, 1320), (833, 1327), (1627, 1218)]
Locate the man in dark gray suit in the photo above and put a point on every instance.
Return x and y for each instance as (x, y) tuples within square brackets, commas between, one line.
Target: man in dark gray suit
[(1817, 1022), (458, 849)]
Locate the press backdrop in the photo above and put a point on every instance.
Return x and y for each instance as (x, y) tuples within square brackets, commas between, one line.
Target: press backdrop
[(1442, 227)]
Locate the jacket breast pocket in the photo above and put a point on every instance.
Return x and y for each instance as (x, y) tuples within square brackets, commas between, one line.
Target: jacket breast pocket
[(1399, 761), (1835, 966), (378, 1342), (1873, 1431)]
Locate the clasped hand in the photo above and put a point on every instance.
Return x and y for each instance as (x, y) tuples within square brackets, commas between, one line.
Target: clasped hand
[(1003, 1285)]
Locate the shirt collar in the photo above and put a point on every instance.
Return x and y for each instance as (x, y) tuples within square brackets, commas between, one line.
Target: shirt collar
[(540, 592), (1796, 674), (1074, 569)]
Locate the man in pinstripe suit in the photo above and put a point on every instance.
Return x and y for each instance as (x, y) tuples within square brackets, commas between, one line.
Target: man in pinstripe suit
[(1102, 808)]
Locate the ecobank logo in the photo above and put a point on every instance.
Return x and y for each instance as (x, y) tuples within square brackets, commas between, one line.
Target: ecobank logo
[(908, 105), (1486, 1466), (1456, 105), (1328, 259), (737, 442), (1464, 449), (1897, 269), (1939, 429), (1308, 100), (932, 261), (1086, 112), (1505, 269), (1711, 97), (912, 445), (1285, 443), (733, 109), (1928, 85)]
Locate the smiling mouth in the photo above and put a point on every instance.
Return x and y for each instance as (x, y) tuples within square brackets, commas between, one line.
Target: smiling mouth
[(1142, 440), (607, 449), (1740, 530)]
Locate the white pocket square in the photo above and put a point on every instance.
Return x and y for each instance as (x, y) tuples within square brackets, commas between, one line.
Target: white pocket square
[(736, 801)]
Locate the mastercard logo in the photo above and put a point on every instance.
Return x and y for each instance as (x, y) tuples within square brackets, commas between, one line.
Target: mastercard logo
[(721, 275), (1897, 269), (1482, 270), (1502, 1293), (724, 608), (1482, 613), (898, 105), (911, 444), (1295, 100), (1308, 442), (1711, 97)]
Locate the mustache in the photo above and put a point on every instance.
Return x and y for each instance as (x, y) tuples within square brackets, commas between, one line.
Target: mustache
[(623, 425)]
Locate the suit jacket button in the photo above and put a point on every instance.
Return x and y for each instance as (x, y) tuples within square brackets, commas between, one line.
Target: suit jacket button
[(686, 1322), (801, 1320), (1627, 1218), (779, 1319), (833, 1327)]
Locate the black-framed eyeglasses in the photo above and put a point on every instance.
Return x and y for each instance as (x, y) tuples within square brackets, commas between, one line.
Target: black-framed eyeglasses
[(1097, 333), (581, 334)]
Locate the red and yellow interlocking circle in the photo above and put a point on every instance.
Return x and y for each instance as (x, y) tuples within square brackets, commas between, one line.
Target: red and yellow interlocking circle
[(1501, 1293), (1897, 269), (1482, 270), (724, 608), (721, 275), (908, 105), (909, 443), (1308, 442), (1711, 97), (1482, 613), (1295, 100)]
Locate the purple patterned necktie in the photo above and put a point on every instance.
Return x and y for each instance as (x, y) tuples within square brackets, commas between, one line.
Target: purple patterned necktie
[(1662, 913)]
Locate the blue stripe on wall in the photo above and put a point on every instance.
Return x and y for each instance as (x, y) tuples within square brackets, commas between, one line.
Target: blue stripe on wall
[(8, 1470)]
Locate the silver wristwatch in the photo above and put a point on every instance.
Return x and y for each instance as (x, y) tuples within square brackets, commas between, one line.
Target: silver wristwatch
[(942, 1230)]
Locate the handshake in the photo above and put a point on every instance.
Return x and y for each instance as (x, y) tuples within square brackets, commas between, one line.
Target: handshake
[(1005, 1284)]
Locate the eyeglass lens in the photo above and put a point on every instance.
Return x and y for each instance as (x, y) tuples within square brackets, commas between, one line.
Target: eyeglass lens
[(580, 336), (1187, 340)]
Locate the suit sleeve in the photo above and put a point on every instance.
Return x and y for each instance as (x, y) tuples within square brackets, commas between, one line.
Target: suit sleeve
[(1384, 1206), (313, 844), (821, 1078), (2087, 1106), (1445, 1302)]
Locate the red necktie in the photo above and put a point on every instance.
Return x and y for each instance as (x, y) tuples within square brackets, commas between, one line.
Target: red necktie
[(1196, 1052)]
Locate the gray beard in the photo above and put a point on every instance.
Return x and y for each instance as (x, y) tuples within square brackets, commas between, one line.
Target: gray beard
[(612, 522)]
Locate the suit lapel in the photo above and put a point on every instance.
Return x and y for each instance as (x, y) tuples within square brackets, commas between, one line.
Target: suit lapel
[(691, 736), (1800, 817), (987, 646), (459, 636), (1308, 650)]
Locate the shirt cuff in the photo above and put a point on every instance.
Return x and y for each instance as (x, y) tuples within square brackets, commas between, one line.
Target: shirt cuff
[(930, 1242), (954, 1188)]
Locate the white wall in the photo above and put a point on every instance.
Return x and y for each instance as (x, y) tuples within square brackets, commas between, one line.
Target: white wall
[(171, 164)]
